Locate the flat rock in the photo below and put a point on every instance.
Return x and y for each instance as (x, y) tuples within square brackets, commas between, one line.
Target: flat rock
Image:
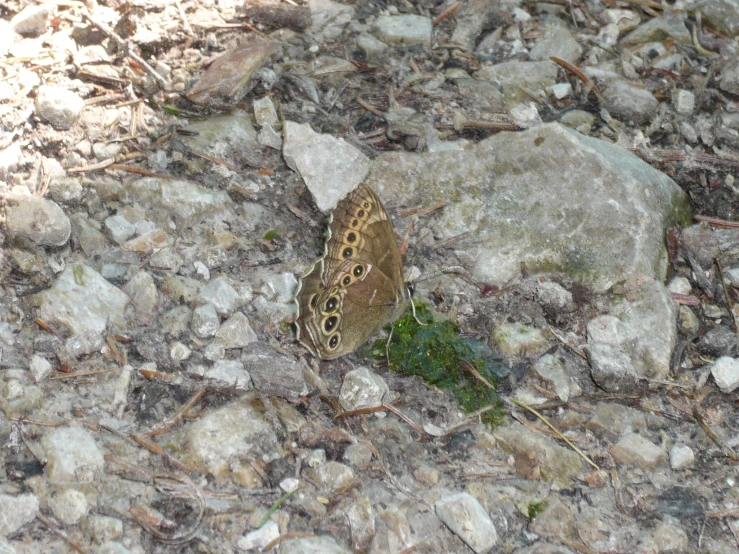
[(516, 339), (32, 21), (274, 373), (228, 79), (185, 201), (90, 305), (71, 455), (330, 476), (39, 220), (634, 449), (558, 42), (549, 460), (330, 166), (230, 373), (657, 29), (218, 441), (466, 518), (611, 421), (403, 29), (511, 76), (722, 15), (605, 230)]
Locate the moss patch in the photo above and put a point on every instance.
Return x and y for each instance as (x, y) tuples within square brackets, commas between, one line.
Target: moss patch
[(436, 352)]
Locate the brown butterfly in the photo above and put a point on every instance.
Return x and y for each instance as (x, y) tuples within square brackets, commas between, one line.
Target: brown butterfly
[(357, 287)]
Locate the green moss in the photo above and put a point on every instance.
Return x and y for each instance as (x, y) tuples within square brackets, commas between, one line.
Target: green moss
[(535, 508), (438, 353), (272, 234)]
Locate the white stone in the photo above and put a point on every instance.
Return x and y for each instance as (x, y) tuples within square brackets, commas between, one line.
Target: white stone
[(681, 457), (635, 450), (179, 352), (71, 455), (726, 373), (40, 368), (236, 332), (561, 90), (259, 538), (403, 29), (604, 329), (370, 45), (221, 295), (230, 373), (330, 166), (10, 157), (280, 287), (269, 137), (265, 112), (289, 484), (69, 506), (88, 307), (16, 511), (58, 106), (684, 101), (525, 116), (362, 389), (680, 285), (467, 519), (205, 321), (328, 19)]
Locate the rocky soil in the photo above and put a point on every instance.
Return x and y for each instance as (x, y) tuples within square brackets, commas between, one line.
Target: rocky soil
[(165, 171)]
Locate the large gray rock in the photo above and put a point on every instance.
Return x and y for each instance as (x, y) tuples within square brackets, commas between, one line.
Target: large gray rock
[(83, 301), (403, 29), (71, 455), (323, 544), (511, 76), (466, 517), (16, 511), (39, 220), (722, 15), (549, 197)]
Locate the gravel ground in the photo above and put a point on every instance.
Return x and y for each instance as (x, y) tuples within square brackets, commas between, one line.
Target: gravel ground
[(562, 176)]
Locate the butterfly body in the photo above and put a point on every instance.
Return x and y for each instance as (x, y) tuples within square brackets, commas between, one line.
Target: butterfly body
[(357, 287)]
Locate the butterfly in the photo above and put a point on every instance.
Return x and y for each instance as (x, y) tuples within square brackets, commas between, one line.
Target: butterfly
[(357, 286)]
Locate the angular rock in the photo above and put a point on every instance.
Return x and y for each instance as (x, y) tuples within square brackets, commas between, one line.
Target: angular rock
[(466, 518), (612, 421), (719, 341), (331, 476), (221, 295), (552, 462), (259, 538), (119, 229), (551, 369), (236, 332), (558, 42), (265, 112), (32, 21), (39, 220), (330, 166), (511, 76), (681, 457), (143, 293), (205, 321), (87, 236), (629, 104), (635, 450), (40, 368), (658, 29), (506, 198), (230, 373), (71, 455), (59, 106), (361, 519), (10, 158), (103, 528), (228, 79), (273, 373), (87, 307), (16, 511), (328, 19), (403, 29), (362, 389), (611, 367), (730, 78), (218, 441), (554, 521)]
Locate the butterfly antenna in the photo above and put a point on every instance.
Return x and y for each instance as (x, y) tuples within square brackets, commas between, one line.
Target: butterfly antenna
[(413, 310)]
